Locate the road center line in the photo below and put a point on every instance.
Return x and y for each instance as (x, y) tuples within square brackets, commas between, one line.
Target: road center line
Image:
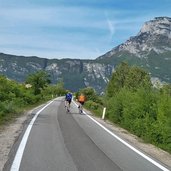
[(125, 143), (18, 157)]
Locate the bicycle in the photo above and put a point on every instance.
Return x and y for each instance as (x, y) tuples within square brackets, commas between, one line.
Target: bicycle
[(67, 106), (80, 108)]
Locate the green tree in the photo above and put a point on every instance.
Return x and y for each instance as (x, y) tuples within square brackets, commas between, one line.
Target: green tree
[(166, 89), (54, 90), (39, 81), (59, 88), (144, 110), (137, 78), (118, 79), (89, 93), (128, 77)]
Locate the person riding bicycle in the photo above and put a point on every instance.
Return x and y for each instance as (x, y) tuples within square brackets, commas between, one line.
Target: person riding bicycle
[(81, 100), (68, 99)]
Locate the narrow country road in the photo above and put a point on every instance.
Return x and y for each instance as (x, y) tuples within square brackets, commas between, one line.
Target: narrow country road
[(60, 141)]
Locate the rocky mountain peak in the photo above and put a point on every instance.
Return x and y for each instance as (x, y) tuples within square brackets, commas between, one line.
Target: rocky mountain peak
[(158, 26), (155, 35), (149, 49)]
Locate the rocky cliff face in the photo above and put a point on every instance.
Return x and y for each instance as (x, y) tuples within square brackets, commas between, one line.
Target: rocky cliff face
[(155, 35)]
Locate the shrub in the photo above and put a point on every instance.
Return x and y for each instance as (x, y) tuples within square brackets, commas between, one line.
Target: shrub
[(95, 107)]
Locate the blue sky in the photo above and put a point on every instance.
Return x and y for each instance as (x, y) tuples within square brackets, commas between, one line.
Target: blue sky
[(83, 29)]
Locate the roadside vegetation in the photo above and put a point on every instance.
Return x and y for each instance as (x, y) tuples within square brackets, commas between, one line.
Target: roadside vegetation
[(134, 104), (15, 98), (130, 99)]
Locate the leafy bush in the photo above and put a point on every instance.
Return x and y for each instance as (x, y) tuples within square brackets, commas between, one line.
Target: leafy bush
[(15, 97), (96, 108)]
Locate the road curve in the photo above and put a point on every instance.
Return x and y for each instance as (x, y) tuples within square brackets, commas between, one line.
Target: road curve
[(60, 141)]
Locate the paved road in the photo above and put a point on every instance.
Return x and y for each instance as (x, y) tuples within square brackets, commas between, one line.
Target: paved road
[(61, 141)]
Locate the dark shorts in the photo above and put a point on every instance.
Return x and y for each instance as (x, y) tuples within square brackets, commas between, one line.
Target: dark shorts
[(82, 103), (69, 101)]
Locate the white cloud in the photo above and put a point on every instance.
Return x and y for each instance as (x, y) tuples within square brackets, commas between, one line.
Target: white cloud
[(110, 24), (111, 27)]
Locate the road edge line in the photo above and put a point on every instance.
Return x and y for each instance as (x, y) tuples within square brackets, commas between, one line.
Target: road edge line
[(125, 143), (18, 156)]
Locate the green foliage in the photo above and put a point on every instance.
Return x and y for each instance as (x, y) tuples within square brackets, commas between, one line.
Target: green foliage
[(134, 104), (96, 108), (118, 79), (136, 78), (54, 90), (128, 77), (39, 81), (166, 89), (9, 95), (115, 108), (89, 93), (15, 97), (163, 124)]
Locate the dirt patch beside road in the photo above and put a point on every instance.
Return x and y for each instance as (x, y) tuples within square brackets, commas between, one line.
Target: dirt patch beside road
[(8, 135)]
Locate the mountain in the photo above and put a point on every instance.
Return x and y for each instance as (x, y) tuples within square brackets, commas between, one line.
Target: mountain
[(149, 49), (75, 73)]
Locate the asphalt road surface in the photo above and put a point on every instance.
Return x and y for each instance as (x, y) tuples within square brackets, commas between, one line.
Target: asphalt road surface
[(60, 141)]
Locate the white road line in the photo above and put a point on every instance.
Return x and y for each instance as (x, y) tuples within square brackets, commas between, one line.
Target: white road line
[(125, 143), (18, 157)]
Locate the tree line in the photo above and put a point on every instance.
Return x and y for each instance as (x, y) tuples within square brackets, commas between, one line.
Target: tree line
[(16, 97), (135, 104)]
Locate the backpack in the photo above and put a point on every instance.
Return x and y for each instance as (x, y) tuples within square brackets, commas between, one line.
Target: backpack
[(68, 96)]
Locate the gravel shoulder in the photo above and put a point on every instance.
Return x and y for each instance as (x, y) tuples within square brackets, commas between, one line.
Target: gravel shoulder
[(10, 133), (8, 136)]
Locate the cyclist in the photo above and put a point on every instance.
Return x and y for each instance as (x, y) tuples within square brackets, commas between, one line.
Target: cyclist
[(81, 100), (68, 99)]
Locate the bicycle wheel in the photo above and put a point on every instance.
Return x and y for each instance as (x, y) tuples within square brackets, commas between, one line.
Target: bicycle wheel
[(67, 108), (80, 109)]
